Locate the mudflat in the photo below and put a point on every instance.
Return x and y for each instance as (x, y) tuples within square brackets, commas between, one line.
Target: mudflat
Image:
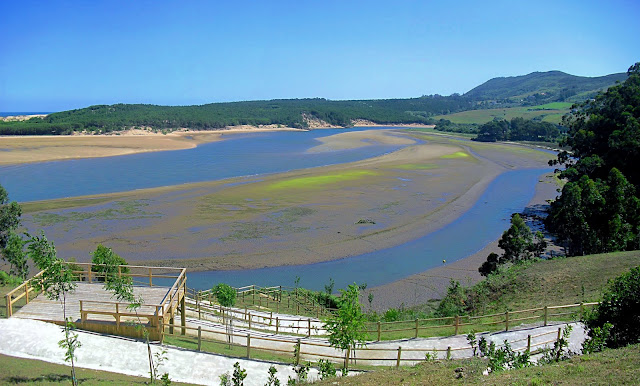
[(298, 217)]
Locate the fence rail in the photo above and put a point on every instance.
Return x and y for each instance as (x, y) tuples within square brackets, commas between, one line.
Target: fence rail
[(311, 327), (303, 350)]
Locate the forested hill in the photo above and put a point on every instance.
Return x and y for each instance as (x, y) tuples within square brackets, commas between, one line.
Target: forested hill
[(532, 89), (286, 112), (543, 87)]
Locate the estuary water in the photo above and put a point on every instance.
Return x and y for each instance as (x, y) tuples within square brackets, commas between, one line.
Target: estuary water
[(260, 153), (237, 155)]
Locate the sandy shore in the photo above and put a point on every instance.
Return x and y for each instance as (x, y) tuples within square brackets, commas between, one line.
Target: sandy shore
[(27, 149), (432, 284)]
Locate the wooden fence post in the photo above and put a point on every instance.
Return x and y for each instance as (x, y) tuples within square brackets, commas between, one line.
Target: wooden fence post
[(379, 330), (528, 343), (199, 337), (506, 321), (161, 328), (26, 291), (150, 278), (309, 322), (416, 335), (277, 325), (9, 306), (457, 324), (399, 355), (559, 335), (449, 352), (299, 345), (248, 346), (346, 358), (546, 315), (581, 310), (249, 320)]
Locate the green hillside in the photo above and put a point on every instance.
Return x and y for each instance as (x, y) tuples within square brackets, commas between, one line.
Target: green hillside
[(543, 87), (550, 112)]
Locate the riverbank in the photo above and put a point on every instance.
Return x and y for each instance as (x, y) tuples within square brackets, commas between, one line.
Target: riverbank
[(433, 283)]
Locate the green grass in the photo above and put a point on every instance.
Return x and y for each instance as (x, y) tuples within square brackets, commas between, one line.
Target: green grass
[(610, 367), (458, 154), (18, 371), (550, 112), (559, 281), (322, 180)]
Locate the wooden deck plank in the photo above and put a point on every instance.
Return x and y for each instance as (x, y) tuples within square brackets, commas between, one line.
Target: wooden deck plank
[(42, 308)]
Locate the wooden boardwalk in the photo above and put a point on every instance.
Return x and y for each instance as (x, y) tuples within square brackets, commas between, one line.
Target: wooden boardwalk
[(44, 309)]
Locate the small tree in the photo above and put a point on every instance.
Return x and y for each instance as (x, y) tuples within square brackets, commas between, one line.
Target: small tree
[(226, 296), (16, 256), (56, 280), (519, 244), (346, 327), (106, 262), (619, 311), (10, 213)]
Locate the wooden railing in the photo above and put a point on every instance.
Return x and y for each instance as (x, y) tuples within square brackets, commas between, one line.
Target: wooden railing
[(266, 321), (91, 272), (309, 350), (22, 291), (156, 314)]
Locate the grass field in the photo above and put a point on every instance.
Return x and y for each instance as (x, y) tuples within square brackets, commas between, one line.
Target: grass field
[(610, 367), (550, 112), (18, 371)]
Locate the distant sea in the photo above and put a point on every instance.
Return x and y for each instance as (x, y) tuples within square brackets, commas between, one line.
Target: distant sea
[(11, 113)]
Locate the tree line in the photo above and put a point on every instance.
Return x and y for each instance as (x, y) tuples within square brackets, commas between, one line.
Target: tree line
[(285, 112), (518, 129)]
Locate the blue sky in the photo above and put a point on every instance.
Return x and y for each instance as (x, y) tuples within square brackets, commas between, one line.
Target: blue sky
[(59, 55)]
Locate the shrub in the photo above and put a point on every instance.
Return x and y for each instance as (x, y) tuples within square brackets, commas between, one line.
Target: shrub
[(111, 261), (621, 308)]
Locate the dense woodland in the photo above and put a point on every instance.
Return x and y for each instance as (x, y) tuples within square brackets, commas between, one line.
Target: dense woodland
[(287, 112), (518, 129), (599, 209)]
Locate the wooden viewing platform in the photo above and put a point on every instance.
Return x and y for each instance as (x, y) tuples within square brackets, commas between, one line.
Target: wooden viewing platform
[(93, 308)]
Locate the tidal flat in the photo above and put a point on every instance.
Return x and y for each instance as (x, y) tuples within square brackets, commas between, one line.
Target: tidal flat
[(297, 217)]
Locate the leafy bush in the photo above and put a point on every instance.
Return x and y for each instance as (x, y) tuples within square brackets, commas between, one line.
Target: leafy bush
[(6, 279), (454, 303), (225, 294), (106, 263), (620, 307), (327, 369)]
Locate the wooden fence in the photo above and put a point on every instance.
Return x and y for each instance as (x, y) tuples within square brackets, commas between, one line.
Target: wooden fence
[(24, 290), (266, 321), (298, 349)]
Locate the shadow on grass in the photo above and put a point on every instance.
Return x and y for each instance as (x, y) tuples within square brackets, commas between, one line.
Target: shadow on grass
[(42, 378)]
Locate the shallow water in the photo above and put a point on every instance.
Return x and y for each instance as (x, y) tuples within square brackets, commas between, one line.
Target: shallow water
[(238, 155), (484, 222)]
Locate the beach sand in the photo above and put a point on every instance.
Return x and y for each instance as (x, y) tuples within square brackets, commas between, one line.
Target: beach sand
[(27, 149)]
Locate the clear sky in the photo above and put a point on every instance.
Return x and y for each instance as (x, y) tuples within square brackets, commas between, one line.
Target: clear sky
[(59, 55)]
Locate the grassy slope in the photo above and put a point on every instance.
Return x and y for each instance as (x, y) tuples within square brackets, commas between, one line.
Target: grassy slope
[(30, 371), (551, 112), (621, 366), (559, 281)]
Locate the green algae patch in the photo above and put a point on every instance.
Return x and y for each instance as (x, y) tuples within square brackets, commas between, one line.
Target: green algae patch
[(414, 166), (322, 180), (458, 154)]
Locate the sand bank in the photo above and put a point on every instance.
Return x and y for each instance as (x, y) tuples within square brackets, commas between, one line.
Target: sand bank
[(26, 149)]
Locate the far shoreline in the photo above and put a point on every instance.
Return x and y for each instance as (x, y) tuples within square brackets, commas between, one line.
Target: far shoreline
[(23, 149)]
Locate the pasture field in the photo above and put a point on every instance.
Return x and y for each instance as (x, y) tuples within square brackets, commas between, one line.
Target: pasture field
[(550, 112)]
